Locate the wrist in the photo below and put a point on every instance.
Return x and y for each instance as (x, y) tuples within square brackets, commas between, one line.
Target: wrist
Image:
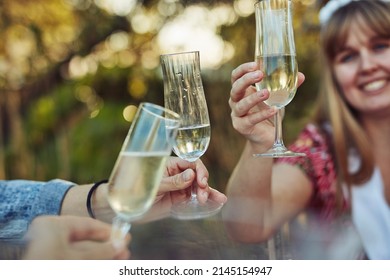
[(99, 204), (256, 147), (90, 196)]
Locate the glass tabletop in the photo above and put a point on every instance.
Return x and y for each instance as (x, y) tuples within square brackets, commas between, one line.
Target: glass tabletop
[(207, 239), (171, 239)]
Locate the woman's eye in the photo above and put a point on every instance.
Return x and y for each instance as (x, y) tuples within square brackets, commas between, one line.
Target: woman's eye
[(346, 57), (380, 46)]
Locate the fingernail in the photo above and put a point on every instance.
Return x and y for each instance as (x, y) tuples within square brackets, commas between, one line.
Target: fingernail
[(206, 195), (260, 94), (256, 74), (204, 181), (187, 175)]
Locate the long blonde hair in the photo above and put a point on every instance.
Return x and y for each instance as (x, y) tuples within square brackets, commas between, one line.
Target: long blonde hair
[(332, 108)]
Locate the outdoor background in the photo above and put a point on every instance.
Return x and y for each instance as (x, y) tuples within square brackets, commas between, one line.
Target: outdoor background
[(71, 72)]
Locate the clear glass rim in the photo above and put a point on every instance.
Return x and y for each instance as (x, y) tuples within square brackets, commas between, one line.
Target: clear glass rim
[(179, 53), (258, 2), (167, 113)]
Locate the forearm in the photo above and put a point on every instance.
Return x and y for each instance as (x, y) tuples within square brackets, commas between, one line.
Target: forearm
[(74, 202), (250, 201)]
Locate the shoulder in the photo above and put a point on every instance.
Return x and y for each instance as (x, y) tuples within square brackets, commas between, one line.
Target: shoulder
[(312, 136), (319, 165)]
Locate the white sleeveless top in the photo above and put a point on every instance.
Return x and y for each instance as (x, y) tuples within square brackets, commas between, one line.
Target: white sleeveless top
[(371, 217)]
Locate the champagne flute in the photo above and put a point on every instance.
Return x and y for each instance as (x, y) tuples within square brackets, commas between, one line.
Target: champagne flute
[(137, 173), (184, 94), (276, 57)]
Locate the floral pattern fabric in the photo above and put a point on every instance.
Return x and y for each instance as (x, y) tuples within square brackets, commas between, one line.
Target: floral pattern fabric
[(319, 166)]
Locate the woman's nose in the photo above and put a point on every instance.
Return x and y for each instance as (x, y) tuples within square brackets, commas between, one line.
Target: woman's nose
[(368, 62)]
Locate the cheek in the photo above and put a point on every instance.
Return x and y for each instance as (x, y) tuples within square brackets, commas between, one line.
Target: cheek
[(385, 64), (345, 77)]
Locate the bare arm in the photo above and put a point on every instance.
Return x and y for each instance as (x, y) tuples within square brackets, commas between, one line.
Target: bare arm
[(248, 203), (74, 202), (262, 196), (259, 204)]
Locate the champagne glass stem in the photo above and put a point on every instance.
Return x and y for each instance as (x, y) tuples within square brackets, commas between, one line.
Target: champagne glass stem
[(193, 192), (278, 130), (119, 230), (278, 148)]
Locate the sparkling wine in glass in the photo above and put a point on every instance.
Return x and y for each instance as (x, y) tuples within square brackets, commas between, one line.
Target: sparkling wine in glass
[(184, 94), (276, 56), (139, 168)]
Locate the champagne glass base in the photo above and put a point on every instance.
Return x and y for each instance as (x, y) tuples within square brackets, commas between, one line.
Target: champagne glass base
[(192, 209), (278, 152), (120, 228)]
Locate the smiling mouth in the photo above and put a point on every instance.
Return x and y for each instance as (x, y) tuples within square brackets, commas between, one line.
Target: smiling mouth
[(376, 85)]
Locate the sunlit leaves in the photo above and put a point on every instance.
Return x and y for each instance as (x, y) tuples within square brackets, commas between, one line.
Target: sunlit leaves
[(78, 68)]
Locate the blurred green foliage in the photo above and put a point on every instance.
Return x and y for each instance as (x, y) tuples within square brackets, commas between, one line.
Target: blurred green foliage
[(69, 68)]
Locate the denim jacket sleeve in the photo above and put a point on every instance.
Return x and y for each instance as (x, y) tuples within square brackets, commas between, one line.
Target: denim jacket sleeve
[(23, 200)]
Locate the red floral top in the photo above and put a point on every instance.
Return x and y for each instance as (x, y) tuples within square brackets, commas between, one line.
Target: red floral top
[(319, 166)]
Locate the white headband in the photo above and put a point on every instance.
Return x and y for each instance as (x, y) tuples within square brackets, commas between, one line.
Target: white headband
[(332, 6)]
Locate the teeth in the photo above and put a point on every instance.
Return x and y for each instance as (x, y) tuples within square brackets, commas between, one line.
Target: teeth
[(374, 85)]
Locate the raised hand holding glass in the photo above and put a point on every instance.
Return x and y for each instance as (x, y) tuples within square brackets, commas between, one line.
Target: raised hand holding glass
[(184, 94)]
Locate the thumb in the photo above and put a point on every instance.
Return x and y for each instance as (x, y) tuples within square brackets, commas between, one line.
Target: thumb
[(177, 182)]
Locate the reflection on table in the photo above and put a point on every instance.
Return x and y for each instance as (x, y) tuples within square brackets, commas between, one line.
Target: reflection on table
[(207, 239), (192, 240)]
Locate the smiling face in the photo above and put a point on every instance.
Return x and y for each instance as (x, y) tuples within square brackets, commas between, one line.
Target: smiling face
[(362, 69)]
